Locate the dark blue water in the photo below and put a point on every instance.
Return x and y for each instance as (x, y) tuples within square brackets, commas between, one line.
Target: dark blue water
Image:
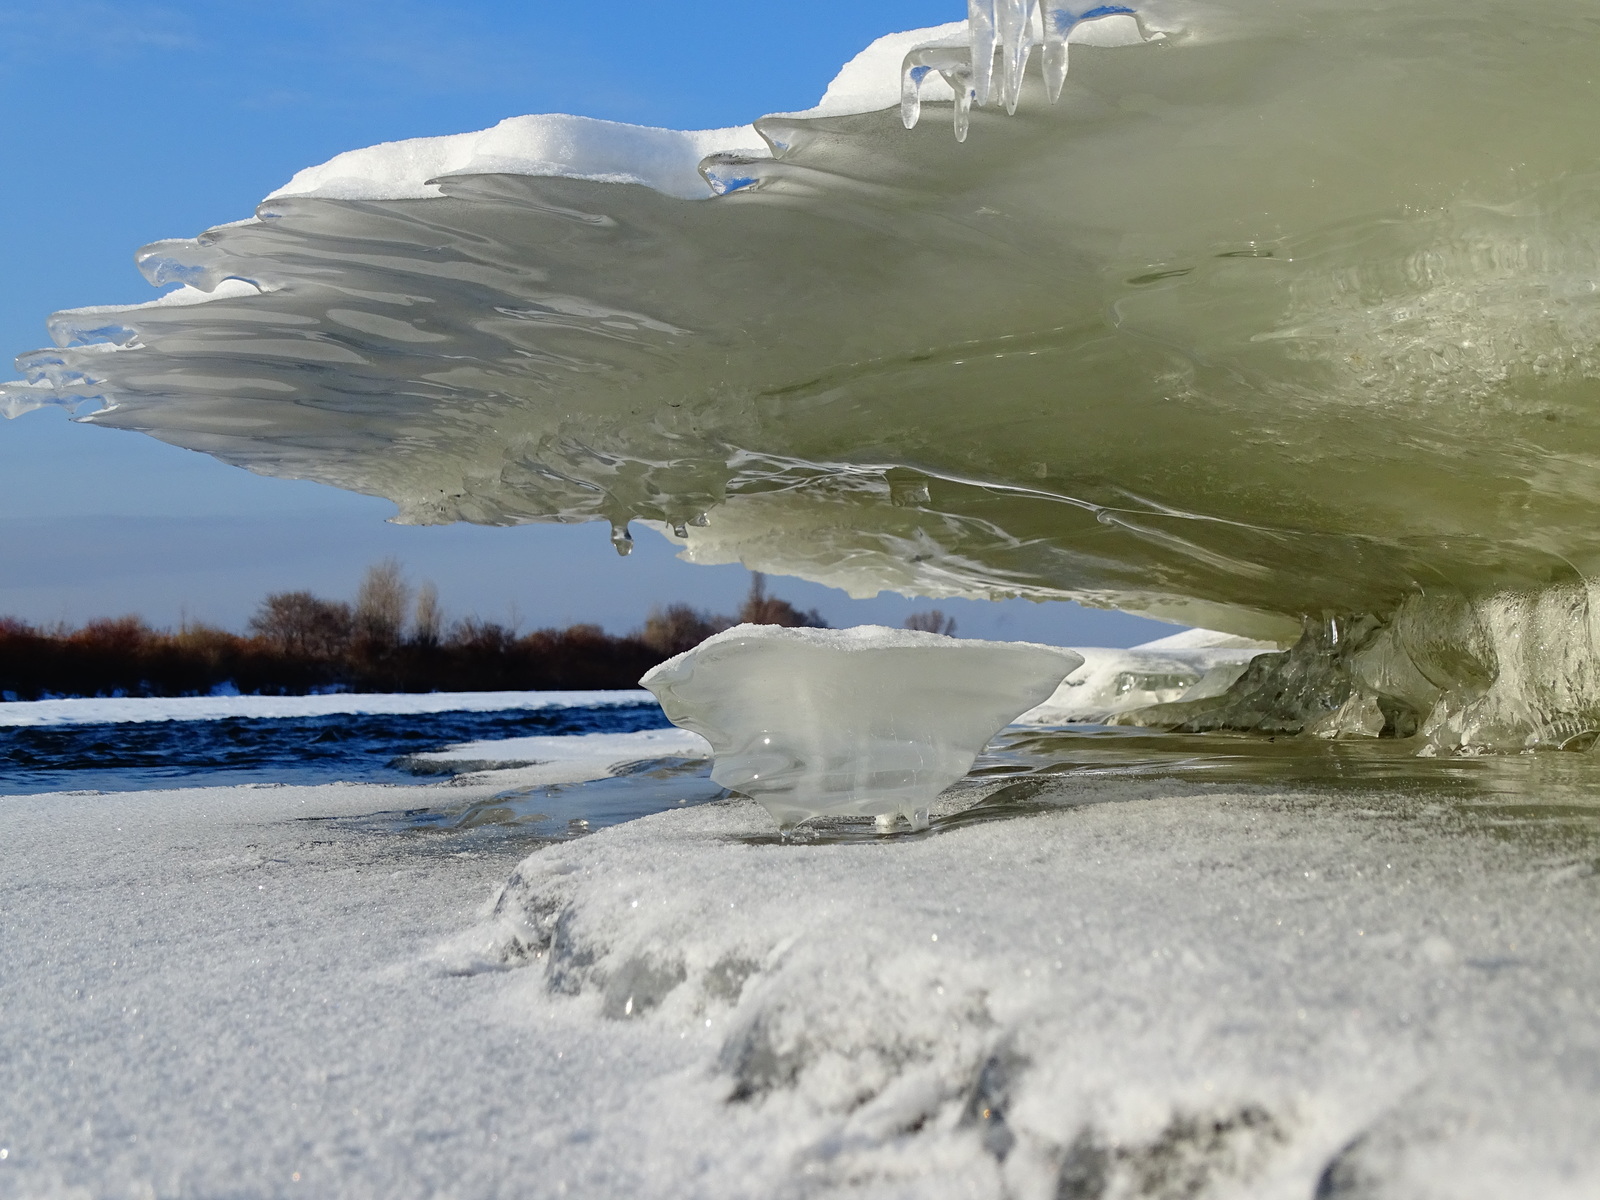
[(349, 747)]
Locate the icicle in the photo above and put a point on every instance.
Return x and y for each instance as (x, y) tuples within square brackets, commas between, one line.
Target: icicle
[(954, 67), (963, 113), (1058, 21), (1014, 19), (911, 77), (622, 538), (981, 28)]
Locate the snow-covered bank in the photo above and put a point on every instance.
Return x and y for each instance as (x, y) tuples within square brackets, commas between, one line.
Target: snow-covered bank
[(96, 710), (1176, 992)]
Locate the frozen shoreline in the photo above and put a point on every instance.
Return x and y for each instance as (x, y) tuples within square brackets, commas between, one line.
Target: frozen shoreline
[(97, 710), (207, 993)]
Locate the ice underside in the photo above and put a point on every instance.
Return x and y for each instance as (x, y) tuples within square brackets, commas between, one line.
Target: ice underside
[(1285, 316)]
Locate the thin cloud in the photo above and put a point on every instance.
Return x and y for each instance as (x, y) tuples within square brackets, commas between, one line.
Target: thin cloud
[(74, 30)]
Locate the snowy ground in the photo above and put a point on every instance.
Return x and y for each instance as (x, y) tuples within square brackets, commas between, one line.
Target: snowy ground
[(1178, 992)]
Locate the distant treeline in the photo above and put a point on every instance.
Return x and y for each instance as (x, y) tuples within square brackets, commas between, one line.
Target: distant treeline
[(391, 639)]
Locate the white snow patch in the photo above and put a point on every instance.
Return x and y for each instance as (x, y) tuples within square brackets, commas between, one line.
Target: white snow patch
[(551, 145), (1207, 639), (1192, 665), (103, 710), (573, 147)]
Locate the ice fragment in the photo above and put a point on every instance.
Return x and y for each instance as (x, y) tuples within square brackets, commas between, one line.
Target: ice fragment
[(870, 721)]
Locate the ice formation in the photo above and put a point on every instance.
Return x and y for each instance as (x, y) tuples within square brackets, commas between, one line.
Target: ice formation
[(1282, 319), (1113, 684), (867, 721)]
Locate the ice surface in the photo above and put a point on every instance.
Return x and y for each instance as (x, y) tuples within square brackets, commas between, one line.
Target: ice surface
[(1161, 990), (869, 721), (580, 756), (1288, 312), (104, 710), (1112, 682)]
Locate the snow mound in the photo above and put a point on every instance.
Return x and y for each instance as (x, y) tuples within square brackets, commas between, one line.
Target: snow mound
[(1179, 992)]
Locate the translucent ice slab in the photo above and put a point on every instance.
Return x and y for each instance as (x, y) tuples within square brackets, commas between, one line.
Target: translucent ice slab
[(867, 721), (1282, 319)]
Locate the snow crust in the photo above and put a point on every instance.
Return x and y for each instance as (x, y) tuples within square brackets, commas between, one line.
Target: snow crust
[(1156, 990), (104, 710), (555, 145), (868, 721), (559, 145)]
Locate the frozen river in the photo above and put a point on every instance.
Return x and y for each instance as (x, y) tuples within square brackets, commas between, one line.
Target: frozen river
[(1118, 964)]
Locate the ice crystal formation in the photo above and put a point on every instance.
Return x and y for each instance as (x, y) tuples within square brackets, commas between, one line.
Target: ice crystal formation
[(854, 722), (1281, 318)]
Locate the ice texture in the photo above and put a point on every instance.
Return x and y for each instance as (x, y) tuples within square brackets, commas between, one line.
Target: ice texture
[(1113, 683), (868, 721), (1287, 313), (1513, 671)]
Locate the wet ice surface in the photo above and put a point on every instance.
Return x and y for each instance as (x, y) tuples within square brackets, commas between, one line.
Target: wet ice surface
[(553, 812), (1174, 967)]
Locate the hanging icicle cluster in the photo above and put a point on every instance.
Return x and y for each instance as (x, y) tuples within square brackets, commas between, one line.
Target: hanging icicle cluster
[(1010, 27)]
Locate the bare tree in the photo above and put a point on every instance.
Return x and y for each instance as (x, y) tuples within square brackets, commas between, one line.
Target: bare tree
[(381, 604), (304, 626), (678, 627), (762, 609), (932, 621), (482, 637), (427, 618)]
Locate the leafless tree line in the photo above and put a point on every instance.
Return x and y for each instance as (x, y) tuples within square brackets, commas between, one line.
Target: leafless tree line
[(392, 637)]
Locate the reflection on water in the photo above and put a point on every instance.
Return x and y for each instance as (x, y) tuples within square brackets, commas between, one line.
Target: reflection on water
[(1253, 759), (1026, 771), (1548, 789), (1036, 769), (556, 812)]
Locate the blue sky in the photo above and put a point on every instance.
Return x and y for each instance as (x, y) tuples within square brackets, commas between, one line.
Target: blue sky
[(122, 123)]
